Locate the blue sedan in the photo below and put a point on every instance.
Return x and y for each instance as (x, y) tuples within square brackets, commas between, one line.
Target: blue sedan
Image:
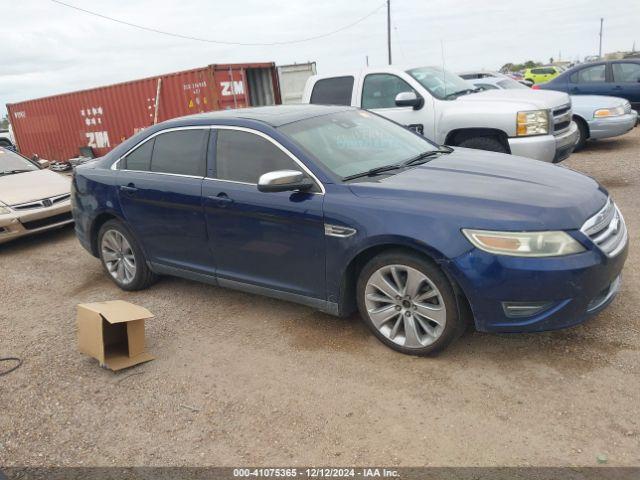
[(616, 78), (342, 210)]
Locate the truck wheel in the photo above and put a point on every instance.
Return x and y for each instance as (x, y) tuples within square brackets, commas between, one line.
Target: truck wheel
[(583, 134), (491, 144), (5, 143), (122, 257), (408, 303)]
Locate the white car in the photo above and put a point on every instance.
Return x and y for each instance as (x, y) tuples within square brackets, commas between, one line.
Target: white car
[(597, 116), (32, 198), (448, 110)]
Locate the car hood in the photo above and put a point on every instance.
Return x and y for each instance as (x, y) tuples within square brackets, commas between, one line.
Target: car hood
[(28, 186), (596, 101), (535, 98), (492, 191)]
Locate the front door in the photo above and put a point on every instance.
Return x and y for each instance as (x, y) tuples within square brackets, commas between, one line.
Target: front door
[(160, 191), (626, 81), (379, 91), (269, 240)]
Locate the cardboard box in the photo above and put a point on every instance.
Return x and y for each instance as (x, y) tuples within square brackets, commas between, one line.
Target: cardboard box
[(113, 333)]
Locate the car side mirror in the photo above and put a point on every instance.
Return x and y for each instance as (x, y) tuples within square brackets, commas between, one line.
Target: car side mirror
[(409, 99), (284, 181), (43, 163)]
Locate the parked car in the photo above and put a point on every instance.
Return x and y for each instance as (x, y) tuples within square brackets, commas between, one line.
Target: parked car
[(616, 78), (6, 139), (597, 116), (338, 208), (449, 110), (541, 74), (32, 198)]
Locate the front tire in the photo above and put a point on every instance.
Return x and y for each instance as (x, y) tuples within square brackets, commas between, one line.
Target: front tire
[(408, 303), (583, 134), (122, 258)]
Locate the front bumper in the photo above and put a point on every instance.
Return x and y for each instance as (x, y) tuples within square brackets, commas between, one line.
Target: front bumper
[(612, 126), (574, 287), (20, 223), (548, 148)]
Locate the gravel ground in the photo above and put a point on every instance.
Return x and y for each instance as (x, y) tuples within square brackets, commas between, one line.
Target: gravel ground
[(242, 380)]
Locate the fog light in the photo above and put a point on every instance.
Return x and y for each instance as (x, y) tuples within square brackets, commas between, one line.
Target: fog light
[(524, 309)]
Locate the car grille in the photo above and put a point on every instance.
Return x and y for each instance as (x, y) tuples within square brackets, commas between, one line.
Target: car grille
[(44, 222), (607, 229), (42, 203), (561, 118)]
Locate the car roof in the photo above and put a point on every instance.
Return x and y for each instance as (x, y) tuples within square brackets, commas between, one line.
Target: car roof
[(275, 116)]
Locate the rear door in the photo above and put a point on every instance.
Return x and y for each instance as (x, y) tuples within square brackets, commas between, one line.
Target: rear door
[(590, 80), (266, 240), (626, 81), (160, 191)]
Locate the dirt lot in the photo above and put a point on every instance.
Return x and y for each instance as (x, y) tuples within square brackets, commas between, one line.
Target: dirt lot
[(245, 380)]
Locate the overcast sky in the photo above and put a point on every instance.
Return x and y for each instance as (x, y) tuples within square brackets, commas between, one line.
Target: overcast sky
[(47, 49)]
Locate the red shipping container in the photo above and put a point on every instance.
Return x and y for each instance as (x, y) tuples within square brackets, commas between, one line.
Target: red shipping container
[(57, 127)]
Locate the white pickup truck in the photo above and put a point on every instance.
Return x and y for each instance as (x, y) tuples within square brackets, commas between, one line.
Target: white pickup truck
[(6, 138), (449, 110)]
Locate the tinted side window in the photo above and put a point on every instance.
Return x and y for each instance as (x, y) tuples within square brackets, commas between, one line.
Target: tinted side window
[(244, 156), (626, 72), (140, 158), (333, 91), (593, 74), (180, 152), (537, 71), (380, 90)]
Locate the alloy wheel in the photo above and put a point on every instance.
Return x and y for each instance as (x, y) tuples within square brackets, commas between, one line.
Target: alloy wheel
[(118, 256), (405, 306)]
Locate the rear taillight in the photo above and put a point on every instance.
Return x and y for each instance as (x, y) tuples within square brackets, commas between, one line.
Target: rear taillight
[(535, 86)]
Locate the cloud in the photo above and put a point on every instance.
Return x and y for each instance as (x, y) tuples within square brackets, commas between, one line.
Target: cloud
[(48, 49)]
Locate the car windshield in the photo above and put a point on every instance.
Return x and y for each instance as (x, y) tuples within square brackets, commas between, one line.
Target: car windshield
[(441, 83), (11, 163), (509, 83), (355, 141)]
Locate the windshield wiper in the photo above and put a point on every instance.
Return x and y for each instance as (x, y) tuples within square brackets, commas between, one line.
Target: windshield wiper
[(421, 158), (462, 92), (374, 171), (395, 166), (11, 172)]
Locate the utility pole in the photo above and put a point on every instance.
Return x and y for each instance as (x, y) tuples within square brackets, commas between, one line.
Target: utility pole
[(389, 29), (600, 49)]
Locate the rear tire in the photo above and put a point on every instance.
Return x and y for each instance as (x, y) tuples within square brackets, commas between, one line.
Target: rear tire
[(408, 303), (490, 144), (583, 134), (122, 258)]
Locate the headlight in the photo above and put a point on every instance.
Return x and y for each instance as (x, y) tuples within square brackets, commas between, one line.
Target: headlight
[(534, 122), (608, 112), (524, 244), (4, 210)]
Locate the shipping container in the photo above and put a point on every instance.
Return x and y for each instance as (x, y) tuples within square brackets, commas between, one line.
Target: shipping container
[(57, 127), (293, 78)]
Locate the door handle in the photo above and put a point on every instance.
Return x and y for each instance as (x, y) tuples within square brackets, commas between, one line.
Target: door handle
[(618, 87), (221, 200), (130, 188)]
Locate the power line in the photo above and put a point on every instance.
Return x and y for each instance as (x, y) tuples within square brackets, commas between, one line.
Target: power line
[(220, 42)]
